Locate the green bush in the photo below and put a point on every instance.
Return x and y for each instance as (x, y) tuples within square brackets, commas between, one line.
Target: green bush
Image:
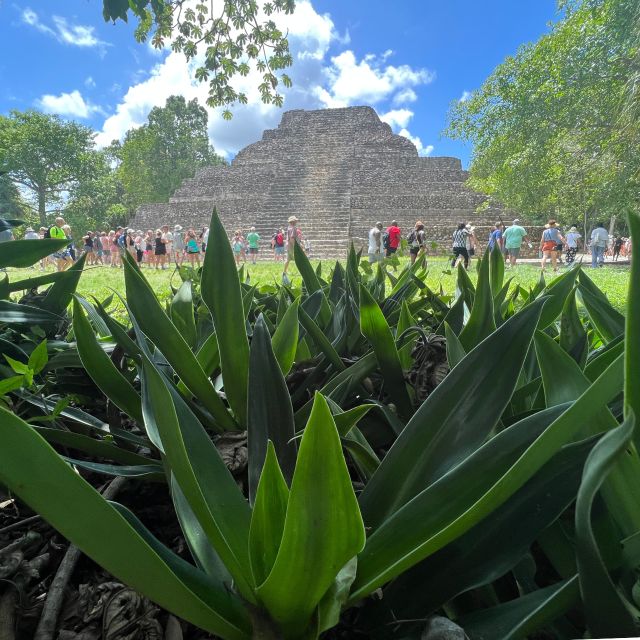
[(390, 477)]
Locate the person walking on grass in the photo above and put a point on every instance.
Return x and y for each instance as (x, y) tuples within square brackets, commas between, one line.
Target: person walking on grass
[(160, 250), (253, 240), (495, 238), (277, 243), (549, 241), (599, 241), (179, 244), (375, 243), (293, 235), (416, 241), (239, 247), (394, 235), (460, 250), (63, 256), (617, 247), (513, 236), (572, 240), (192, 249)]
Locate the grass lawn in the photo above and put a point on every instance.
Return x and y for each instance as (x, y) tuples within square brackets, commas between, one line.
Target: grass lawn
[(100, 281)]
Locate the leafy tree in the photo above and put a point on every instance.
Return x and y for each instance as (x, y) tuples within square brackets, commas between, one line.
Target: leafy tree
[(46, 158), (12, 204), (155, 158), (547, 126), (231, 40)]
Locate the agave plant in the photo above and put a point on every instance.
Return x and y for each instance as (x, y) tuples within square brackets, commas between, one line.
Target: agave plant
[(357, 486)]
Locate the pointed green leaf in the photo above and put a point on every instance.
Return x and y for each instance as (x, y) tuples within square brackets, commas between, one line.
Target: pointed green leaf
[(182, 313), (556, 291), (608, 321), (267, 520), (221, 292), (632, 337), (59, 295), (311, 282), (25, 253), (496, 269), (481, 322), (573, 337), (285, 338), (455, 350), (323, 528)]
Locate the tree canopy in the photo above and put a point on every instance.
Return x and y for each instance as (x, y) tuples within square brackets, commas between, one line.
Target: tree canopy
[(555, 128), (232, 39), (155, 158)]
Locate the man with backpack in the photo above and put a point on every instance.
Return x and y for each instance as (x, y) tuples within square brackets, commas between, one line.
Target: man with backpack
[(63, 256), (394, 234), (416, 241)]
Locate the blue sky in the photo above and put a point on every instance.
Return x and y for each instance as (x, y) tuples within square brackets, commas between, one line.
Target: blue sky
[(408, 59)]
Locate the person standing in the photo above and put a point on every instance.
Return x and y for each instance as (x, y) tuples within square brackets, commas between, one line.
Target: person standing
[(495, 238), (278, 245), (617, 247), (549, 241), (460, 245), (239, 247), (572, 239), (179, 244), (63, 256), (253, 240), (416, 241), (513, 238), (29, 234), (293, 235), (375, 243), (472, 241), (168, 241), (192, 249), (599, 240), (160, 250), (394, 234), (204, 238)]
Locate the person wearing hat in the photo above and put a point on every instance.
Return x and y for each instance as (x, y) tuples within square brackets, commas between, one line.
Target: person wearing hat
[(293, 235), (549, 242), (253, 240), (178, 244), (30, 234), (573, 236), (472, 241), (375, 243), (513, 237)]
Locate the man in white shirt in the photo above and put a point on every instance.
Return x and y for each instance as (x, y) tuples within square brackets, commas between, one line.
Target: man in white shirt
[(375, 243), (599, 240)]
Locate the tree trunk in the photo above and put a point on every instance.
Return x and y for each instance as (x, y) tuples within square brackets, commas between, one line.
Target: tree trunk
[(612, 225), (42, 207)]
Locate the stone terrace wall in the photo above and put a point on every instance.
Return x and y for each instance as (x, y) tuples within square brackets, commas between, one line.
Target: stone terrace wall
[(339, 171)]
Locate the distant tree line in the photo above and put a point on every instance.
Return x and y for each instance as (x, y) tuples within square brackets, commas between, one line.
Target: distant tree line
[(50, 166)]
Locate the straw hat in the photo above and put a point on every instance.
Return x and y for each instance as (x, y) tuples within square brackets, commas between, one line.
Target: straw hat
[(292, 219)]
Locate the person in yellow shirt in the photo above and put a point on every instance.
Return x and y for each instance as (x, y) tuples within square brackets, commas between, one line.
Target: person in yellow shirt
[(63, 256)]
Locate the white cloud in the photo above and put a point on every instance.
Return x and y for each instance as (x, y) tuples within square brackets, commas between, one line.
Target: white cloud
[(397, 118), (89, 82), (318, 82), (465, 96), (367, 81), (68, 104), (422, 150), (77, 35)]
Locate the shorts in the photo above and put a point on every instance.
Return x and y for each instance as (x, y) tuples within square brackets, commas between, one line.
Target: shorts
[(62, 255), (107, 252), (253, 249), (88, 249), (161, 252), (290, 253), (391, 250), (414, 251), (515, 252), (279, 250), (549, 245)]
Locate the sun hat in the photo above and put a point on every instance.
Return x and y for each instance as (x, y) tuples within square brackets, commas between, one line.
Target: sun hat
[(177, 227), (292, 219), (29, 229)]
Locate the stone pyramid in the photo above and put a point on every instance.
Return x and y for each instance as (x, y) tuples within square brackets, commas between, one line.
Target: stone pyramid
[(339, 171)]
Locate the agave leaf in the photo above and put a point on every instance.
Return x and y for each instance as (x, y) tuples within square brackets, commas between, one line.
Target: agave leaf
[(101, 369), (25, 253), (496, 269), (14, 313), (323, 528), (34, 282), (607, 613), (331, 604), (405, 321), (521, 617), (200, 472), (221, 292), (311, 282), (481, 322), (320, 339), (608, 322), (154, 322), (27, 464), (573, 337), (182, 313), (454, 317), (450, 425), (455, 350), (556, 293), (375, 328), (632, 340), (285, 337), (464, 287), (60, 293), (270, 412), (267, 520), (152, 471)]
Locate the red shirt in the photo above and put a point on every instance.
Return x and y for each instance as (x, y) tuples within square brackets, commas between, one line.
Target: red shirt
[(394, 236)]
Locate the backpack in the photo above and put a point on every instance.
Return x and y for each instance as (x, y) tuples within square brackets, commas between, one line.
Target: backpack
[(47, 233), (279, 240), (386, 242), (411, 238)]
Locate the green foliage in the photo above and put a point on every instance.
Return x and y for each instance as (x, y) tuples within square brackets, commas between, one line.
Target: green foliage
[(224, 44), (354, 488), (552, 127)]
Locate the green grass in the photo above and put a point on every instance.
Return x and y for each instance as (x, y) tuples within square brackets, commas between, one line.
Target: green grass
[(101, 281)]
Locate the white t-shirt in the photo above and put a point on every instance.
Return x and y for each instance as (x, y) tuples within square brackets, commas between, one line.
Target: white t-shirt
[(168, 237), (375, 240), (205, 237), (572, 239)]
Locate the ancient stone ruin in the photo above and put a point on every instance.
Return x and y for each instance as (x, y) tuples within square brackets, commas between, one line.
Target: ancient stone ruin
[(339, 171)]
